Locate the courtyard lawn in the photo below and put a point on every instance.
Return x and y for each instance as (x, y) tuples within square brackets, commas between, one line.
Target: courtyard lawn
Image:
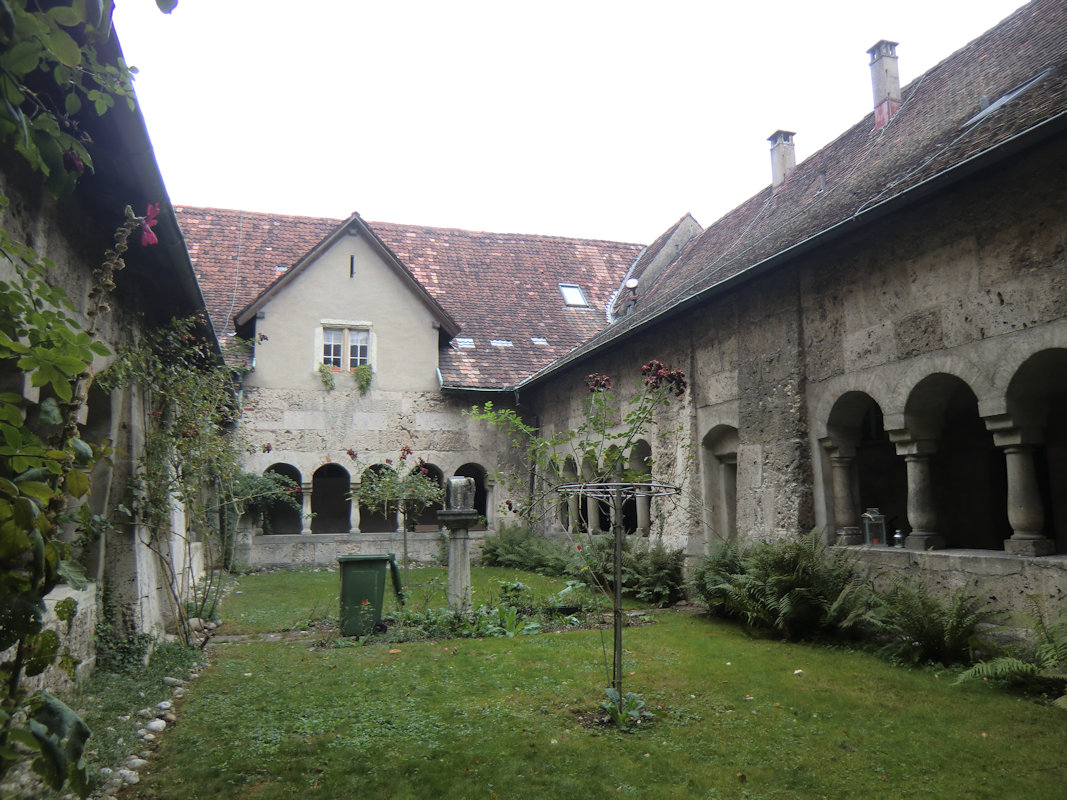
[(502, 718), (287, 600)]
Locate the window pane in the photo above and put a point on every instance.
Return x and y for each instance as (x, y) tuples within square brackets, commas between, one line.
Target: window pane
[(359, 348), (331, 347)]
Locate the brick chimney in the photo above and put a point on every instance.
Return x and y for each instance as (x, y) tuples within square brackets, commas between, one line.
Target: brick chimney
[(885, 79), (783, 156)]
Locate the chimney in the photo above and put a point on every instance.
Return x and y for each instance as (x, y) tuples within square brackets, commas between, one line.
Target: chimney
[(885, 79), (783, 156)]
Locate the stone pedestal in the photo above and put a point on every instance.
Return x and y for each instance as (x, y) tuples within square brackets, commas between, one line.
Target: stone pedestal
[(458, 518), (305, 511)]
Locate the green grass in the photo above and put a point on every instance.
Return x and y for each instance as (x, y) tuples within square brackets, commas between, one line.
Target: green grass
[(279, 601), (499, 718)]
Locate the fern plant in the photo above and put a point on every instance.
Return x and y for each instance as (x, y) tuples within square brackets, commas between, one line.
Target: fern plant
[(921, 627), (1043, 665)]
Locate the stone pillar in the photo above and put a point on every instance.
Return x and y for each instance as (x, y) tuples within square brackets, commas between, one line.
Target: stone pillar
[(845, 512), (305, 511), (1025, 511), (573, 519), (459, 515), (592, 514), (353, 510), (644, 514), (922, 515)]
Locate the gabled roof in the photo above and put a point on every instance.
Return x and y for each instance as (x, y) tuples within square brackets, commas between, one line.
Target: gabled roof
[(939, 136), (353, 224), (499, 288)]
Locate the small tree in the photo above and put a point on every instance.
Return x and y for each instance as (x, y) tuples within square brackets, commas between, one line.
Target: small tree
[(409, 490)]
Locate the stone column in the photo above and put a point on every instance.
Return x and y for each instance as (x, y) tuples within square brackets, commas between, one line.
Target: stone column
[(305, 511), (1025, 511), (845, 512), (592, 514), (459, 515), (573, 519), (922, 515), (644, 514), (353, 510)]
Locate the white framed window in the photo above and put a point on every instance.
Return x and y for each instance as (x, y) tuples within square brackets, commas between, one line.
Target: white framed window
[(344, 346)]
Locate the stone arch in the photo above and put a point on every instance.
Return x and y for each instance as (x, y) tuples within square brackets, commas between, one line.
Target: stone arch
[(865, 470), (718, 463), (283, 519), (597, 512), (428, 518), (481, 490), (376, 521), (967, 481), (331, 504), (1036, 400)]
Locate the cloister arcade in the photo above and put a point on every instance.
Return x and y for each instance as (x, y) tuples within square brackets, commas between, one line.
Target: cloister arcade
[(582, 514), (955, 460), (327, 504)]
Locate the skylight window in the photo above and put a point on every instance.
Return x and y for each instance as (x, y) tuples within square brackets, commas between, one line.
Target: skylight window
[(541, 340), (573, 295), (501, 343), (1006, 98), (463, 343)]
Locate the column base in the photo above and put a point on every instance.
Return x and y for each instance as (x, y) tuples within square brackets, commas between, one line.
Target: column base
[(924, 541), (849, 536), (1030, 547)]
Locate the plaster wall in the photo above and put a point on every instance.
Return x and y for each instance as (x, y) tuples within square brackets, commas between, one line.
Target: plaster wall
[(348, 283)]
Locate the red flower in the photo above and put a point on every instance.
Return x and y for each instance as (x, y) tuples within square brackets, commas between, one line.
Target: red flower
[(148, 236), (597, 382), (405, 451), (267, 448), (351, 453), (579, 547)]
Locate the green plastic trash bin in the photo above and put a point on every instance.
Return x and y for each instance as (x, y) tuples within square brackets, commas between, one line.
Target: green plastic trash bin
[(363, 591)]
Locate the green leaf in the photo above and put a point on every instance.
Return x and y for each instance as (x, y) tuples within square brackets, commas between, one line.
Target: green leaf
[(66, 16), (72, 103), (73, 574), (62, 736), (77, 483), (50, 414), (45, 648), (39, 491), (100, 348), (18, 618), (64, 48), (22, 58), (82, 451)]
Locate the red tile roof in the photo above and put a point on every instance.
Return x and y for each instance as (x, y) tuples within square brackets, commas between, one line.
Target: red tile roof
[(499, 287), (865, 171)]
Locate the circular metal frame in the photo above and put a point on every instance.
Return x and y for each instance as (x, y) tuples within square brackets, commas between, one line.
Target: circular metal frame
[(607, 490)]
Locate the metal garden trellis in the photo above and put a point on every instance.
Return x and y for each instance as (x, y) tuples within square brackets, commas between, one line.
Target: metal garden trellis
[(616, 492)]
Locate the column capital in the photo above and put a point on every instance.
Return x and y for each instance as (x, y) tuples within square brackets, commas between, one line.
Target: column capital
[(906, 446)]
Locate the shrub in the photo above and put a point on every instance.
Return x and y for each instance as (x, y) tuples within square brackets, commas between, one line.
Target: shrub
[(921, 627), (1041, 665), (518, 547), (651, 572), (795, 587)]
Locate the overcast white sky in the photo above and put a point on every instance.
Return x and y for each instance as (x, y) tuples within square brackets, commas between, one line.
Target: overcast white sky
[(583, 118)]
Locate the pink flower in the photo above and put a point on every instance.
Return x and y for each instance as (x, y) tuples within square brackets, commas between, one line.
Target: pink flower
[(267, 447), (150, 221), (351, 453)]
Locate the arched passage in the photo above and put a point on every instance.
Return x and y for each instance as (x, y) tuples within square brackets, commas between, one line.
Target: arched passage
[(966, 474), (1037, 406), (282, 518), (866, 471), (428, 518), (330, 501), (481, 494), (376, 521)]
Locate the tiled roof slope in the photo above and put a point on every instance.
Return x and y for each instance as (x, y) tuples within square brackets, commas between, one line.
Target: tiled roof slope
[(865, 169), (499, 287), (236, 254)]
